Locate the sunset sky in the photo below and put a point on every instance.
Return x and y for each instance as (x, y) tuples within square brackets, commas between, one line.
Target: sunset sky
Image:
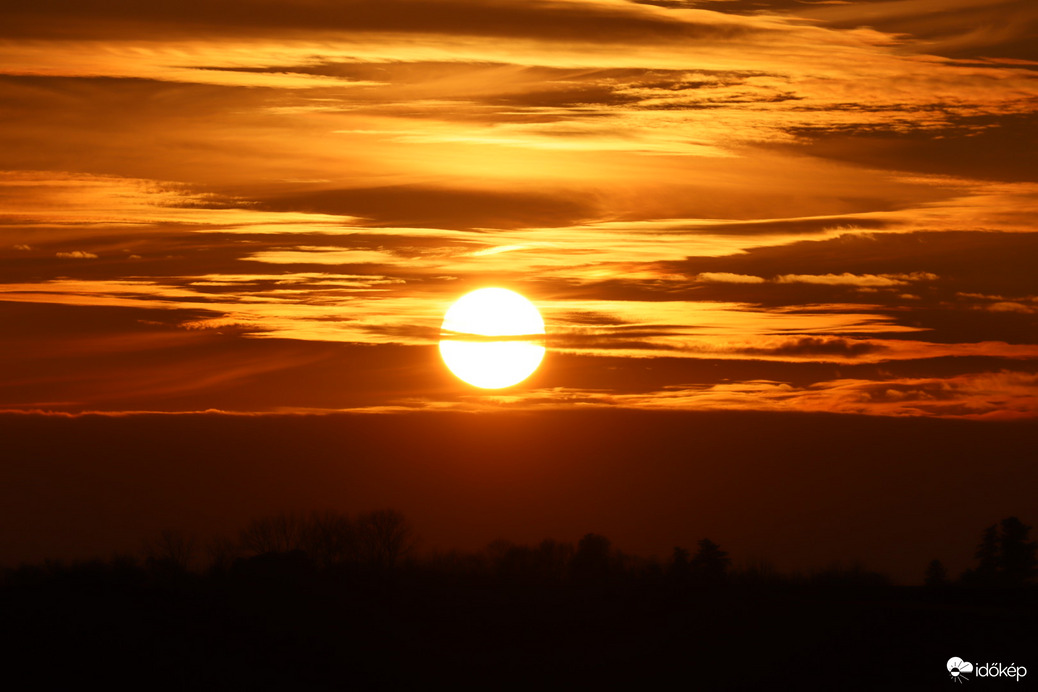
[(267, 207)]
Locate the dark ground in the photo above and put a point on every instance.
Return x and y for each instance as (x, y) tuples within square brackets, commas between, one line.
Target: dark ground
[(127, 627)]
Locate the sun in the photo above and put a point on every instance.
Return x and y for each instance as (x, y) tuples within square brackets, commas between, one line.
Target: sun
[(492, 338)]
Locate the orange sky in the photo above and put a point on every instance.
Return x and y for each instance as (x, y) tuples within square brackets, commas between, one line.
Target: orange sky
[(736, 217), (800, 491), (843, 184)]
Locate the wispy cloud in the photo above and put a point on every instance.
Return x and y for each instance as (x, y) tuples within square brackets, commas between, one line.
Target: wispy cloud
[(741, 185), (995, 396), (76, 254), (846, 279)]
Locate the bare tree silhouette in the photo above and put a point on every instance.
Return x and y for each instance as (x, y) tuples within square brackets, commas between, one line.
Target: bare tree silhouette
[(279, 533), (544, 563), (171, 550), (221, 552), (383, 538), (330, 538), (553, 559)]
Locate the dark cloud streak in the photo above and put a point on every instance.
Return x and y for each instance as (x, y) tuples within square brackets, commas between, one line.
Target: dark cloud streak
[(555, 21)]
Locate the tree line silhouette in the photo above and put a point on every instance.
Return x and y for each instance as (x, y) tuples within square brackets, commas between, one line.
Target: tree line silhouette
[(383, 542), (1006, 557), (328, 600)]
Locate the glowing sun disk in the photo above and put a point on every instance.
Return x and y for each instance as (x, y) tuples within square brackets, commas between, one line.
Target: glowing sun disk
[(474, 341)]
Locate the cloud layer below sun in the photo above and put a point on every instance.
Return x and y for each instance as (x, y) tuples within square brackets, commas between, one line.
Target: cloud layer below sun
[(780, 206)]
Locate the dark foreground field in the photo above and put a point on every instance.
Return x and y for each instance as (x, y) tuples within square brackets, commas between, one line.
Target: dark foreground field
[(282, 624)]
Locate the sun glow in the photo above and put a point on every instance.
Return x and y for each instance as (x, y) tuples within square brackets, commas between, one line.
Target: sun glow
[(492, 338)]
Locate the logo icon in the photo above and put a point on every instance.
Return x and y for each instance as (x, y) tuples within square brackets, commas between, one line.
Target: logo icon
[(958, 669)]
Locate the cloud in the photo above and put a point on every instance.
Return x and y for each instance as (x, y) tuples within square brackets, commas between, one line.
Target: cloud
[(441, 207), (1010, 306), (1004, 395), (728, 184), (833, 349), (962, 262), (953, 27), (728, 278), (812, 347), (846, 279), (558, 20)]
